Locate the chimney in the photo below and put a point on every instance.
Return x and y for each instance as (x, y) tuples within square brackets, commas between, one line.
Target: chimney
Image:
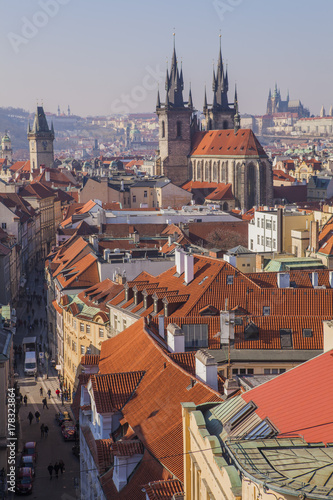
[(93, 240), (189, 268), (330, 277), (314, 236), (314, 279), (161, 326), (230, 386), (41, 168), (227, 326), (170, 240), (47, 175), (179, 261), (283, 280), (106, 254), (175, 338), (206, 368)]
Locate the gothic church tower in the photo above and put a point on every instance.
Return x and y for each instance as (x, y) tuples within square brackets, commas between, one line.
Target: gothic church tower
[(40, 139), (219, 115), (175, 127)]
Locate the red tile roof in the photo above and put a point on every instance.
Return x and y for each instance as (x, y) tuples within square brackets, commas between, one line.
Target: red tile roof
[(112, 391), (127, 448), (300, 401), (163, 490), (90, 360), (222, 192), (226, 143), (155, 412)]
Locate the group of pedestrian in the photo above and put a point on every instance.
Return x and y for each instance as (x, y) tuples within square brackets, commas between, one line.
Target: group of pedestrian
[(56, 467), (44, 430), (31, 417)]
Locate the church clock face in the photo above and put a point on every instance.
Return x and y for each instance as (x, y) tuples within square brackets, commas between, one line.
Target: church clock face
[(44, 144)]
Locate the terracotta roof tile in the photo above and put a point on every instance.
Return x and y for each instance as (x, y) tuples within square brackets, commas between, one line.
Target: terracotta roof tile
[(112, 391), (226, 143), (155, 412), (90, 359), (127, 448), (163, 490)]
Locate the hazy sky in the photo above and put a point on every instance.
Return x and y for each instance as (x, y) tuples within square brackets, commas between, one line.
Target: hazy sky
[(103, 56)]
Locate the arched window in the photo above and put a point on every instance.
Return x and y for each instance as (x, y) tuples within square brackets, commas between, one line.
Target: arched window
[(215, 173), (225, 206), (207, 179), (199, 170), (163, 128), (179, 129), (251, 186)]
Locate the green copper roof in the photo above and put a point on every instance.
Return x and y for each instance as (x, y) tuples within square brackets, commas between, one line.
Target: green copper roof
[(288, 466)]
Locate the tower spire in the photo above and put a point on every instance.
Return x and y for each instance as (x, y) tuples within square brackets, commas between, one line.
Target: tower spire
[(205, 100), (158, 103), (190, 102), (237, 116)]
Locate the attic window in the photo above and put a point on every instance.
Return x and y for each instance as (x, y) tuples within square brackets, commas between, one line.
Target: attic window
[(286, 338), (240, 416), (230, 279), (238, 321), (266, 310), (307, 332), (203, 280), (251, 332), (261, 431)]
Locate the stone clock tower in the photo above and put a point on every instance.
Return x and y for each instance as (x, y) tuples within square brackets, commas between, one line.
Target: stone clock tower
[(40, 138)]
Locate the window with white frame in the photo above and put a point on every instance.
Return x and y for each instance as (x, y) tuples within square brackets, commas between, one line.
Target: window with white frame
[(82, 349), (81, 327), (87, 328), (101, 332)]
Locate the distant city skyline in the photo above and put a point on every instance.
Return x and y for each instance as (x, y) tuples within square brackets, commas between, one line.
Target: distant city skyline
[(106, 57)]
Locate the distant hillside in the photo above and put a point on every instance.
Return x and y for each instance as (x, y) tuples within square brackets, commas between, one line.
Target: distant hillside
[(15, 120)]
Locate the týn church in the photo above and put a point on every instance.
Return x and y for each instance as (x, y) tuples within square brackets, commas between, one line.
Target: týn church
[(215, 151)]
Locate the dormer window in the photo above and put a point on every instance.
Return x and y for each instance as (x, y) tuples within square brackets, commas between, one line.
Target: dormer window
[(136, 298), (145, 301), (156, 306), (166, 310)]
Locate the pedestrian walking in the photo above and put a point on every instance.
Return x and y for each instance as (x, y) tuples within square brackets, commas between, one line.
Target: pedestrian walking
[(44, 403), (30, 417), (50, 469), (42, 430), (21, 398), (49, 393), (36, 377), (56, 469), (25, 399), (41, 391), (62, 399), (37, 415), (46, 430), (62, 466), (57, 393)]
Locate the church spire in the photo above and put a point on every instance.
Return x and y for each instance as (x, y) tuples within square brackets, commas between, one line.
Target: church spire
[(174, 83), (220, 83), (237, 116), (190, 102), (205, 100), (158, 103)]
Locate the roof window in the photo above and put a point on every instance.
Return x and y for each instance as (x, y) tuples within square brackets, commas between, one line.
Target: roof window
[(240, 416), (261, 431), (307, 332)]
